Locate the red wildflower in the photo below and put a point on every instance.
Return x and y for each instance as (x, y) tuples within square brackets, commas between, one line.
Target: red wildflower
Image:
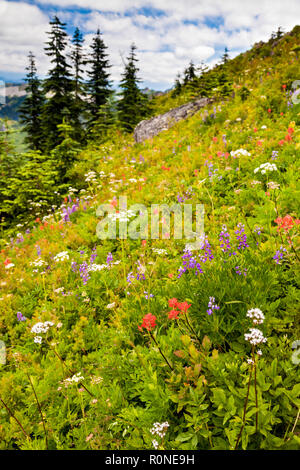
[(170, 275), (215, 139), (38, 219), (281, 142), (183, 306), (173, 302), (148, 322), (7, 261), (269, 110), (291, 130), (165, 168), (286, 223), (288, 138), (173, 315), (284, 87), (255, 129), (144, 242)]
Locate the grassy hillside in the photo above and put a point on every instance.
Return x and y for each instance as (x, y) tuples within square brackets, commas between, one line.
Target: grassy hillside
[(142, 331)]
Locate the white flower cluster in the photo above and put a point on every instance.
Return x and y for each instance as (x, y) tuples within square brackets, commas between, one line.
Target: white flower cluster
[(239, 153), (273, 185), (72, 190), (74, 379), (39, 328), (155, 444), (159, 251), (38, 263), (9, 265), (112, 305), (160, 429), (264, 167), (96, 267), (96, 380), (256, 315), (62, 256), (91, 176), (123, 216), (255, 337)]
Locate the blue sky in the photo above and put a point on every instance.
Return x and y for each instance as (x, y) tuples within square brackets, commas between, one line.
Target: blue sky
[(168, 33)]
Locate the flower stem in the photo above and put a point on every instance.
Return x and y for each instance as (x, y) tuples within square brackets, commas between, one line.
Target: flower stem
[(152, 337), (13, 416)]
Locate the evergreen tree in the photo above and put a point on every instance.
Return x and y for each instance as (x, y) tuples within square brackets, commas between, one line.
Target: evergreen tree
[(31, 108), (58, 86), (277, 34), (65, 153), (177, 87), (133, 104), (104, 125), (225, 56), (78, 60), (99, 87), (189, 73)]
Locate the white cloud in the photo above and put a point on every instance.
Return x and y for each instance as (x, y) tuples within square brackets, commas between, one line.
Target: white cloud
[(22, 28), (167, 39)]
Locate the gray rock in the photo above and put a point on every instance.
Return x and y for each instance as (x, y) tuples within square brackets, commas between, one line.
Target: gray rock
[(151, 127)]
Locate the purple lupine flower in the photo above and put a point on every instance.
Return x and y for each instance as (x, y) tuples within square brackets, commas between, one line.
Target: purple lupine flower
[(130, 277), (93, 255), (109, 259), (148, 296), (20, 317), (38, 250), (241, 271), (224, 238), (74, 266), (207, 251), (84, 273), (241, 237), (212, 306), (224, 139), (279, 254), (274, 154), (258, 230), (189, 262)]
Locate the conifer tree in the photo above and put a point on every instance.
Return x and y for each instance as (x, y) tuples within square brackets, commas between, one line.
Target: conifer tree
[(78, 60), (133, 105), (177, 87), (58, 86), (31, 108), (189, 73), (99, 87), (225, 56)]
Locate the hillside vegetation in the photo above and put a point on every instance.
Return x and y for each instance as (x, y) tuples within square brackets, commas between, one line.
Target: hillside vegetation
[(143, 343)]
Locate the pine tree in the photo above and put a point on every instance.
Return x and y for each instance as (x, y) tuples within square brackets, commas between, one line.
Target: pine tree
[(31, 108), (78, 60), (177, 87), (189, 73), (58, 86), (225, 56), (277, 34), (133, 104), (99, 87)]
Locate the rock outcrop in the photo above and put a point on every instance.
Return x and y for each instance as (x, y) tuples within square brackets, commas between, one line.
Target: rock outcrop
[(151, 127)]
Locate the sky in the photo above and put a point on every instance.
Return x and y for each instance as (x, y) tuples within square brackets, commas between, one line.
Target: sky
[(168, 33)]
